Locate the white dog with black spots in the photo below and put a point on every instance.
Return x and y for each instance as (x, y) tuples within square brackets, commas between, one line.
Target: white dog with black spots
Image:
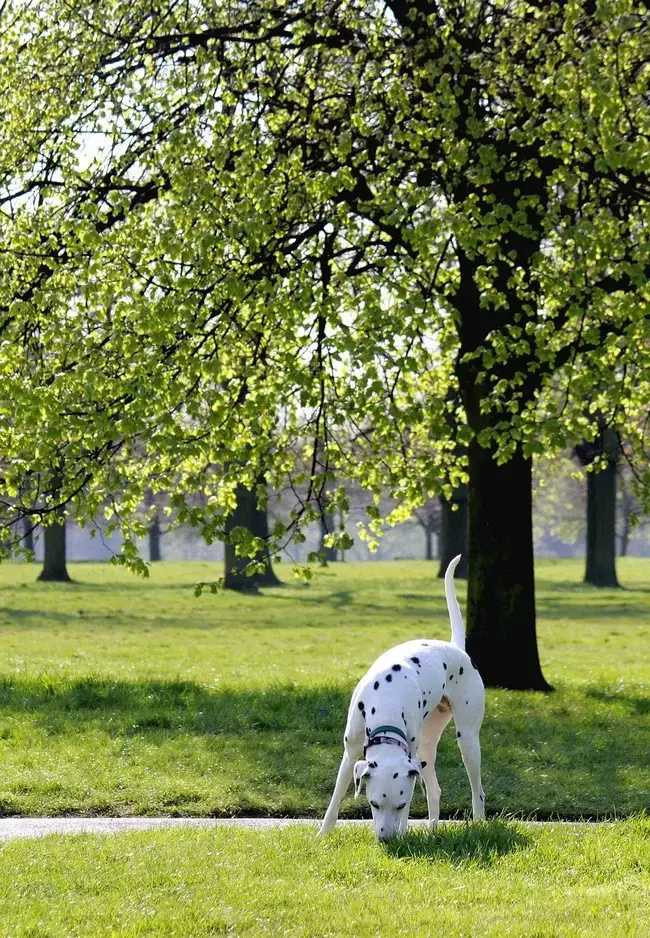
[(397, 714)]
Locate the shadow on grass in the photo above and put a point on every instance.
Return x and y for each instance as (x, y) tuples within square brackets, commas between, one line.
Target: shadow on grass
[(480, 843), (579, 753)]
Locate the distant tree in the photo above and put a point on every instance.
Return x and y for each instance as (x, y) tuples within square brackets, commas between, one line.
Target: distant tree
[(602, 453), (327, 526), (154, 530), (54, 554), (28, 533), (247, 519), (428, 518)]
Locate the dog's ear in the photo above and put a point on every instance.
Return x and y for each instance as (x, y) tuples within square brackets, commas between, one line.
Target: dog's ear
[(361, 771), (417, 772)]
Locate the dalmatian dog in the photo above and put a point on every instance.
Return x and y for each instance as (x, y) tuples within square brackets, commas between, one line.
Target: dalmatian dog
[(397, 714)]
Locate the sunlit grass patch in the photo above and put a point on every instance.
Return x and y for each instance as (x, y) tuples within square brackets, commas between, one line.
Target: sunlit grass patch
[(492, 879)]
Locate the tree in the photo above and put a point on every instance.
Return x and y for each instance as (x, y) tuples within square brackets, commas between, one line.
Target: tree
[(412, 201), (154, 532), (602, 455), (428, 518), (251, 569), (54, 554)]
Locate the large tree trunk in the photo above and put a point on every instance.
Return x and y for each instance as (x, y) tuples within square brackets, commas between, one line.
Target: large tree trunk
[(454, 526), (501, 633), (54, 568), (247, 515), (601, 515)]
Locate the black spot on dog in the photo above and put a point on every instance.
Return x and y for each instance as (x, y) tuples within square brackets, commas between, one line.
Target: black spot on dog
[(383, 796), (457, 735), (401, 793), (443, 686), (467, 703), (367, 732), (415, 660), (372, 765), (389, 677), (425, 644), (412, 739), (419, 704), (345, 739), (396, 774), (397, 667), (363, 714), (451, 677), (376, 684), (426, 713), (461, 671), (360, 705), (373, 711), (444, 665), (482, 798)]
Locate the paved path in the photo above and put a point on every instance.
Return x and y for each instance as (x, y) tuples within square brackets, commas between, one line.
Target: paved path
[(13, 828)]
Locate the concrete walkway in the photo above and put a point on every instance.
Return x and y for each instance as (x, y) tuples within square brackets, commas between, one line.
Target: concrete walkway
[(14, 827)]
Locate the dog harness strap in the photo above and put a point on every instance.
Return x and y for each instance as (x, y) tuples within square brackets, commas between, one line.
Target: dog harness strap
[(388, 729)]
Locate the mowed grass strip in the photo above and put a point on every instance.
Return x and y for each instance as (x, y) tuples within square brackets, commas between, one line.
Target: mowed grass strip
[(492, 879), (120, 696)]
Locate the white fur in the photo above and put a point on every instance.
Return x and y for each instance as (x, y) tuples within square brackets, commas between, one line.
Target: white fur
[(445, 683)]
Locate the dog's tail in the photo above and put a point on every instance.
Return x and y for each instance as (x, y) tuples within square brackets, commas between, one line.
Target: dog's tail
[(455, 617)]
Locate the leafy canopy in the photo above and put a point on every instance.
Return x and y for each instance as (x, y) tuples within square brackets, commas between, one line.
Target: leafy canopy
[(284, 239)]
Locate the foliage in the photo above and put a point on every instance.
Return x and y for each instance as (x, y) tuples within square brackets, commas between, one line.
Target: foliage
[(246, 238)]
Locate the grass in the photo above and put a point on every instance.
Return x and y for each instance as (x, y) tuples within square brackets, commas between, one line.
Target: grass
[(122, 696), (493, 879)]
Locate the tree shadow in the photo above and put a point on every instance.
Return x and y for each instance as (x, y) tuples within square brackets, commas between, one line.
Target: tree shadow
[(478, 843), (579, 753)]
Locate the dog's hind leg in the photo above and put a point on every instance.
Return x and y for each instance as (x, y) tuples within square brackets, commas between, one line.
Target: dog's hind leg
[(468, 721), (432, 730), (343, 779), (470, 750)]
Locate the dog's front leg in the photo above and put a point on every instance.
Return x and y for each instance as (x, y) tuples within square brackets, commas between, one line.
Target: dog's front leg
[(343, 779)]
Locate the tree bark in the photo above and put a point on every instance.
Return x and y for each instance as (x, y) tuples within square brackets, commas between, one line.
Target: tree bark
[(454, 532), (501, 631), (247, 515), (54, 565), (601, 515)]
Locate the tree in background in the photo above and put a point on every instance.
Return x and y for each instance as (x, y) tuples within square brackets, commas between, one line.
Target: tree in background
[(247, 525), (602, 456), (428, 518), (54, 554)]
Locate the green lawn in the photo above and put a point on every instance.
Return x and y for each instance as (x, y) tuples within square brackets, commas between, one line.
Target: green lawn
[(123, 696), (487, 880)]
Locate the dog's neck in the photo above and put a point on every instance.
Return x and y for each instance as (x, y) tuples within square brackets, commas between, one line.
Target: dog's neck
[(388, 735)]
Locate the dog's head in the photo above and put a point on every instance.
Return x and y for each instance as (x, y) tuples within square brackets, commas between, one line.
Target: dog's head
[(389, 777)]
